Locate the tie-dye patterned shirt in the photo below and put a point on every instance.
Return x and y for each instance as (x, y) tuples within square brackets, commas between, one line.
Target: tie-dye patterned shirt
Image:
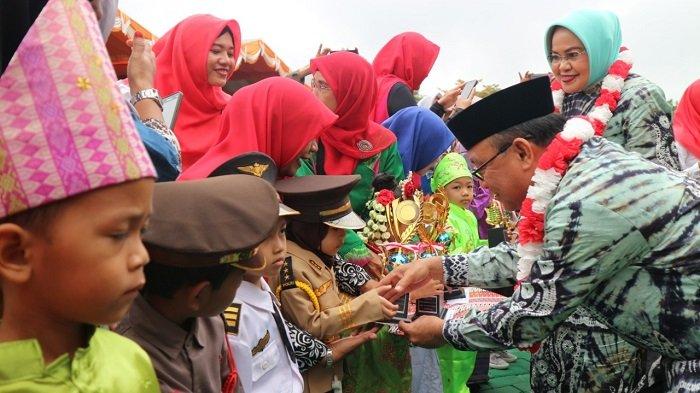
[(622, 245)]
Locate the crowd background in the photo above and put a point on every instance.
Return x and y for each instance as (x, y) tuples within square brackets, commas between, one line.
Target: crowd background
[(478, 47)]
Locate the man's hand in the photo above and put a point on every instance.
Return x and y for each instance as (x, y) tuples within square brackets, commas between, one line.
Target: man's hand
[(346, 345), (411, 276), (425, 331), (141, 69)]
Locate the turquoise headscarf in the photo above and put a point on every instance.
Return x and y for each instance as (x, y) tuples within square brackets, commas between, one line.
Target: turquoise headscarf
[(601, 36)]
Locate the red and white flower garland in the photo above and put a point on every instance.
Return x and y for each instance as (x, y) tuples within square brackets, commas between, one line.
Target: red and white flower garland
[(555, 160)]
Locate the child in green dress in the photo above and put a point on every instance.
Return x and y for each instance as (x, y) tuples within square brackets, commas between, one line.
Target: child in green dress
[(452, 177)]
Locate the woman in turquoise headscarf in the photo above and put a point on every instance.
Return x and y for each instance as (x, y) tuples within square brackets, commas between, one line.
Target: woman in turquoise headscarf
[(583, 354), (580, 48)]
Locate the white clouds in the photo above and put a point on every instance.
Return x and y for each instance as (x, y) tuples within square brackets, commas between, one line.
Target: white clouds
[(489, 39)]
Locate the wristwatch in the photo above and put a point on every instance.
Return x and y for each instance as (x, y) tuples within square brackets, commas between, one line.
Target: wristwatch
[(150, 94), (329, 358)]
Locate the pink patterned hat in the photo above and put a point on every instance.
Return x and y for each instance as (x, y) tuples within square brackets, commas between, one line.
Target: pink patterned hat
[(64, 128)]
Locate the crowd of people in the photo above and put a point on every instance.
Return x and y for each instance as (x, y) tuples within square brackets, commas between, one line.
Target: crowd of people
[(227, 252)]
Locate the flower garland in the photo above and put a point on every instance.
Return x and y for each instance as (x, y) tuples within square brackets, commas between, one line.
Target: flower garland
[(555, 160)]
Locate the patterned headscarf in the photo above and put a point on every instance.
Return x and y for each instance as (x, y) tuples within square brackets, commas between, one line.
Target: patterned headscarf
[(451, 167), (64, 127)]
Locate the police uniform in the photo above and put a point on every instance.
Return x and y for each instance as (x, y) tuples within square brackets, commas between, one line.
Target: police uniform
[(191, 227), (307, 350), (307, 287)]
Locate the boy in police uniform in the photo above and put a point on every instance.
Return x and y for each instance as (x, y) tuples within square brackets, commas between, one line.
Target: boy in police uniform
[(307, 287), (258, 333), (256, 330), (196, 267)]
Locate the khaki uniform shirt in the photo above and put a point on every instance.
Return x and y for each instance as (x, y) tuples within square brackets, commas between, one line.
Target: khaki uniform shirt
[(185, 361), (311, 300)]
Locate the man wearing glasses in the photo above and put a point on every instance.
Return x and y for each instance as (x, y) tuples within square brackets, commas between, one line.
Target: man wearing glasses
[(621, 251)]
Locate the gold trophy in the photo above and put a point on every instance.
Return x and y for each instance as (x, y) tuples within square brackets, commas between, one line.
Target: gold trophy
[(504, 224)]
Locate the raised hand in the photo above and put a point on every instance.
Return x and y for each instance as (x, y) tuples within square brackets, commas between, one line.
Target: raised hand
[(344, 346)]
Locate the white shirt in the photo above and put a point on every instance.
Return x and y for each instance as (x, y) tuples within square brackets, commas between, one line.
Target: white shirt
[(270, 369)]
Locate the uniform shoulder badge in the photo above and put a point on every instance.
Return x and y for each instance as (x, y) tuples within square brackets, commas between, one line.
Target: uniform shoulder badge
[(262, 343), (232, 317), (287, 275), (315, 264)]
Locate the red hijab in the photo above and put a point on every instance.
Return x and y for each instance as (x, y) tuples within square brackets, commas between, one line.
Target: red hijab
[(406, 58), (276, 116), (353, 137), (181, 65), (686, 121)]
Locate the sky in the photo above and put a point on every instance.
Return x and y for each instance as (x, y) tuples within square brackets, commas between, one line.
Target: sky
[(490, 40)]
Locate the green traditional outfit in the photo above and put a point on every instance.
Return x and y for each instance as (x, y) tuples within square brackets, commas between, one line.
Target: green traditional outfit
[(612, 258), (456, 366), (109, 363)]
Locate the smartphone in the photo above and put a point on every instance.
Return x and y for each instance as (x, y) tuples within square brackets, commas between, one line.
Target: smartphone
[(467, 89), (171, 108)]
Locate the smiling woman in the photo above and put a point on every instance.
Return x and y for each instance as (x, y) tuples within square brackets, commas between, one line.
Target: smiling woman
[(581, 48), (196, 57)]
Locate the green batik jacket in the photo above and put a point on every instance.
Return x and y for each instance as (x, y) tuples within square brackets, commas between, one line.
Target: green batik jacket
[(622, 250), (641, 122), (389, 162)]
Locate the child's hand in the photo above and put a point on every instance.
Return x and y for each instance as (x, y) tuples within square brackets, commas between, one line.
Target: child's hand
[(346, 345), (375, 267), (388, 308), (369, 285)]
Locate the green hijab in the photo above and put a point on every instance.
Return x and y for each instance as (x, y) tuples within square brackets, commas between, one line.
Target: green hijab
[(451, 167), (601, 36)]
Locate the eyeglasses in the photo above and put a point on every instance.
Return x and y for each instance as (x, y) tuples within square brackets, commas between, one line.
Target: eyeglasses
[(477, 172), (570, 57), (319, 85)]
